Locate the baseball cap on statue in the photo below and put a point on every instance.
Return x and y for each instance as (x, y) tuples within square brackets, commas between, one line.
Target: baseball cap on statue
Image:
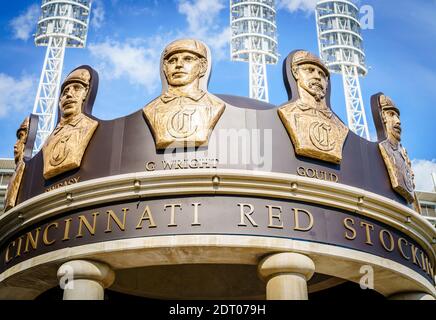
[(80, 75), (190, 45), (386, 103), (303, 57), (24, 126)]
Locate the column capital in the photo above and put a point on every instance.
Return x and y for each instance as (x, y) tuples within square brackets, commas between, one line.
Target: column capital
[(88, 270), (285, 263)]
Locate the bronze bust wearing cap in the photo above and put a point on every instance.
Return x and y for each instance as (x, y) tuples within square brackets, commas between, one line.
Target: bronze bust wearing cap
[(315, 131), (185, 114), (64, 149), (394, 155), (15, 182)]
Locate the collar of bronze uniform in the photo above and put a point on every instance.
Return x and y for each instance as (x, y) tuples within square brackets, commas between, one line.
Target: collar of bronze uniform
[(170, 96), (304, 106), (72, 123), (398, 147), (394, 146)]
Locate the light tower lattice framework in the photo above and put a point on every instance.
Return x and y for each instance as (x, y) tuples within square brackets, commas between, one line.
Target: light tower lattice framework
[(62, 24), (340, 47), (254, 40)]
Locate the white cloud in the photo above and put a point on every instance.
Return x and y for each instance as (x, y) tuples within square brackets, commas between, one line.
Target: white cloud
[(203, 23), (423, 170), (136, 59), (98, 14), (24, 24), (201, 14), (295, 5), (16, 95)]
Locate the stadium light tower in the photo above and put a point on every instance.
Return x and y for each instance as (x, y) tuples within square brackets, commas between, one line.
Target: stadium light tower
[(62, 24), (340, 47), (254, 40)]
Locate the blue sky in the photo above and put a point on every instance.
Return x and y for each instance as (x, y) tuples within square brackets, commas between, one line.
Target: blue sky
[(127, 36)]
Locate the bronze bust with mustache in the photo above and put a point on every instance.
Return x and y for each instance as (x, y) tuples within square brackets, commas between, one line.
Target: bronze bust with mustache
[(185, 114), (394, 155), (15, 182), (64, 149), (315, 131)]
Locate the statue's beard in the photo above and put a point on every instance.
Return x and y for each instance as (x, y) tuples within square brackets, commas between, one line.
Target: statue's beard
[(315, 89), (319, 96)]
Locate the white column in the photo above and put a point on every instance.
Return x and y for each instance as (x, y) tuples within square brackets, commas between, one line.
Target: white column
[(286, 275), (85, 280)]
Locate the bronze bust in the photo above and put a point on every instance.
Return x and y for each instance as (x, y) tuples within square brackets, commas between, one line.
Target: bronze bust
[(64, 149), (19, 148), (394, 154), (315, 131), (185, 114)]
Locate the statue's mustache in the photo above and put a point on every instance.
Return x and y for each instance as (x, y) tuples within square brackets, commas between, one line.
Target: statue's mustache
[(316, 85)]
